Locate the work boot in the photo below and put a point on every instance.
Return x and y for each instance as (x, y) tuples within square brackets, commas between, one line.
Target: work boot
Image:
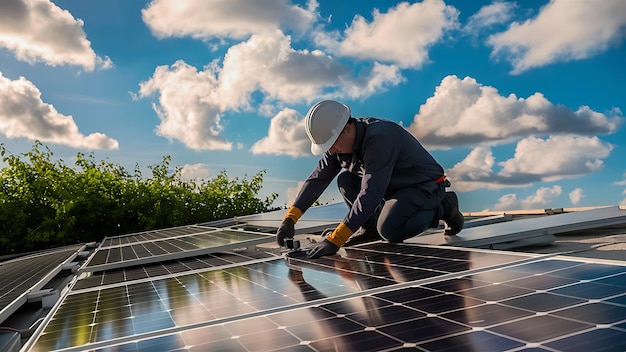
[(451, 214), (363, 235)]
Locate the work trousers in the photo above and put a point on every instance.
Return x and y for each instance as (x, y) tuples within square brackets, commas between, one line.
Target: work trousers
[(402, 214)]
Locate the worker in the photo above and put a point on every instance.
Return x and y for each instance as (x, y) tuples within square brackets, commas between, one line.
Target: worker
[(392, 185)]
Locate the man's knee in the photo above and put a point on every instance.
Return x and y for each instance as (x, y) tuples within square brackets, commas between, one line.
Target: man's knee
[(348, 179), (395, 229), (349, 185)]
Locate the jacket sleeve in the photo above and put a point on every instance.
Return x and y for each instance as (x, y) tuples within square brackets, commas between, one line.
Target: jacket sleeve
[(327, 168)]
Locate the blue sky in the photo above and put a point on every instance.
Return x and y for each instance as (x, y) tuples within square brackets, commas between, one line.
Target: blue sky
[(521, 102)]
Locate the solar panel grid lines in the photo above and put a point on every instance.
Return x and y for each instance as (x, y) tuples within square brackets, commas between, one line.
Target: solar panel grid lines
[(173, 248), (152, 235), (22, 275)]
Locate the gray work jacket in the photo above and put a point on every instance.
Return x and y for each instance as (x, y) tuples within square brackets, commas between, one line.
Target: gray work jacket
[(386, 157)]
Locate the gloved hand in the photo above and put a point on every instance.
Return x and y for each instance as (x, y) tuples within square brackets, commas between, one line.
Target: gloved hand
[(324, 248), (286, 230)]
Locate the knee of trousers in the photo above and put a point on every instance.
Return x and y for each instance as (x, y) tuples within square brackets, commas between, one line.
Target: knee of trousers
[(397, 230)]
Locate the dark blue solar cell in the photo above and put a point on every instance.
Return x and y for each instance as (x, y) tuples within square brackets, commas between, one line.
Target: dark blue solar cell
[(598, 340), (471, 341), (495, 292), (589, 290), (617, 280), (544, 266), (542, 302), (594, 313), (424, 329), (324, 328), (385, 316), (539, 328), (589, 271), (486, 315), (444, 303), (618, 300), (541, 282)]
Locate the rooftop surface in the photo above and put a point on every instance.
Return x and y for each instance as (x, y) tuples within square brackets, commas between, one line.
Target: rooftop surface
[(547, 280)]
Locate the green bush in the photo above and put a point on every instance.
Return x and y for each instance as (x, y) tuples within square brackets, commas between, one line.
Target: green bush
[(44, 203)]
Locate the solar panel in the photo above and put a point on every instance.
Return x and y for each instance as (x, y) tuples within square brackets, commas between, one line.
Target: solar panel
[(144, 252), (30, 273), (140, 309), (532, 231), (371, 299)]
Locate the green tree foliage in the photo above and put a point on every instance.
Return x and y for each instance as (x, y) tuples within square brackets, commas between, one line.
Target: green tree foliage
[(44, 203)]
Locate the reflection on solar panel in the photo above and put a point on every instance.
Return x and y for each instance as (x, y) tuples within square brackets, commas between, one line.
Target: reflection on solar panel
[(24, 274), (202, 241), (141, 272), (379, 296)]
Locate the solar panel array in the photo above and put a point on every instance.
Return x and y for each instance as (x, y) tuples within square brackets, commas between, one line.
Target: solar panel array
[(164, 245), (379, 296), (21, 275)]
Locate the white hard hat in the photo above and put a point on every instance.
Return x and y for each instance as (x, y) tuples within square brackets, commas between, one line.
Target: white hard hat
[(324, 122)]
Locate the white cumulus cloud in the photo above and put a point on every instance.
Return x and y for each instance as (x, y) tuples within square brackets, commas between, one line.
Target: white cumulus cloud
[(194, 171), (192, 102), (542, 197), (535, 160), (557, 156), (188, 106), (576, 196), (489, 15), (225, 18), (40, 31), (286, 136), (465, 112), (401, 36), (563, 30), (24, 114)]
